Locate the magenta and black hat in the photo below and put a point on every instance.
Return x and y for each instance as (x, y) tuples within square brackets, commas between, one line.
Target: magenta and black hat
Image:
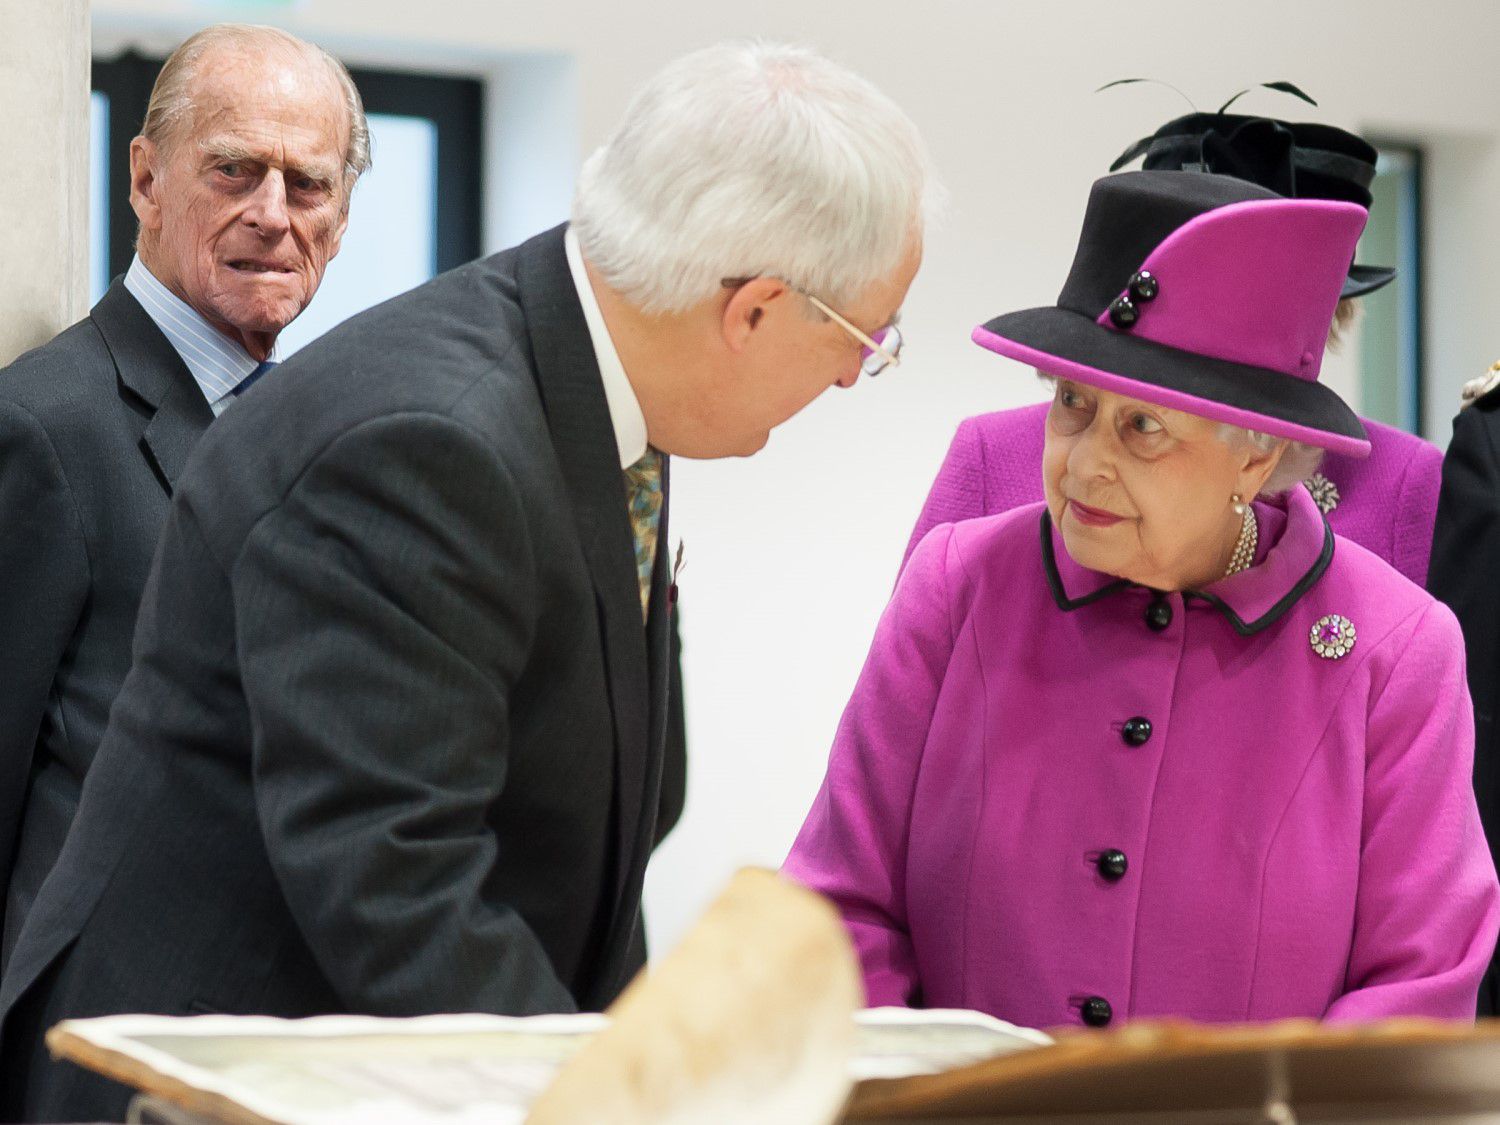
[(1202, 293)]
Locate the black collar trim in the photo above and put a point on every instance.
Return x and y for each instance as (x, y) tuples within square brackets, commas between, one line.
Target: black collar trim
[(1054, 580), (1242, 627)]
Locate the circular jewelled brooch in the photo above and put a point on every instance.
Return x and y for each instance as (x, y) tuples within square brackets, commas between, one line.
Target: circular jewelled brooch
[(1333, 637)]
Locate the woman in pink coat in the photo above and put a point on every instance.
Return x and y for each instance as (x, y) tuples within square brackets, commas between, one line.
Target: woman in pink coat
[(1163, 744)]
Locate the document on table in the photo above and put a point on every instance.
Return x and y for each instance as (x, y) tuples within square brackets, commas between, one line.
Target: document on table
[(434, 1070)]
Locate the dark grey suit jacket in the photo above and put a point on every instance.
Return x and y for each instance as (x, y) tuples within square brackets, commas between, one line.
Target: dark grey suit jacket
[(94, 428), (393, 741)]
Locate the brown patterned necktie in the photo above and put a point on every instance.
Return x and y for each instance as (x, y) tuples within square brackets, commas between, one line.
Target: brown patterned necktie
[(643, 496)]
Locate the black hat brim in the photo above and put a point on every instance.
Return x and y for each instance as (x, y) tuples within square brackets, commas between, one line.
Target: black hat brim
[(1071, 345), (1366, 279)]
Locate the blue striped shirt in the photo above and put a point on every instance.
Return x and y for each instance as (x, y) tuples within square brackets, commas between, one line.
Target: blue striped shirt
[(217, 362)]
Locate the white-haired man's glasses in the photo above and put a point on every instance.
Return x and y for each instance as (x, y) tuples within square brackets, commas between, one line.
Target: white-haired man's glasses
[(877, 352)]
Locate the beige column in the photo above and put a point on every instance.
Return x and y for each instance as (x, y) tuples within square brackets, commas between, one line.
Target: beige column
[(44, 236)]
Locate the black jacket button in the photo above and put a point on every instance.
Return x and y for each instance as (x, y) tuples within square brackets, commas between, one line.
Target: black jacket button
[(1097, 1012), (1123, 313), (1113, 865), (1136, 731), (1159, 614)]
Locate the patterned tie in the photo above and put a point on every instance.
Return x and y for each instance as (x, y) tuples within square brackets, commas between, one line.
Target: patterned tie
[(643, 495), (245, 384)]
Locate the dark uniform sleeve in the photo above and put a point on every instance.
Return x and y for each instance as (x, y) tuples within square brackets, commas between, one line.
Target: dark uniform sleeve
[(1465, 573), (44, 576), (385, 612)]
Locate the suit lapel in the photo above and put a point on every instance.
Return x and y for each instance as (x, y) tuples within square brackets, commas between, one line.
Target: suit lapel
[(150, 369), (583, 437)]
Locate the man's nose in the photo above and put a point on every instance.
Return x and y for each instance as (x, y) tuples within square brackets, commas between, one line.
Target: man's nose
[(267, 209)]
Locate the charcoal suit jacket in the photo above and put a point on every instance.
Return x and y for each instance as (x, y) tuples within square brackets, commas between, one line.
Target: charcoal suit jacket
[(94, 428), (394, 737)]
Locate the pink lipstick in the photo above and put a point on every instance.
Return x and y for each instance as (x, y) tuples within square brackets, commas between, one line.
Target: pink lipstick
[(1092, 517)]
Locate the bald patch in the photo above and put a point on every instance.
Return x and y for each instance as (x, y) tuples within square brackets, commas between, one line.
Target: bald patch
[(281, 69)]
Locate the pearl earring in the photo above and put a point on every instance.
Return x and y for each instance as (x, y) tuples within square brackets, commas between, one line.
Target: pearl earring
[(1243, 555), (1238, 504)]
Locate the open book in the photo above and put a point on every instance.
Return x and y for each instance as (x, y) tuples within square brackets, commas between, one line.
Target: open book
[(434, 1070), (907, 1066)]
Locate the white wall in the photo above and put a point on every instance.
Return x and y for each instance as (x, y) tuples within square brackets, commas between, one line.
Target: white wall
[(791, 556), (44, 88)]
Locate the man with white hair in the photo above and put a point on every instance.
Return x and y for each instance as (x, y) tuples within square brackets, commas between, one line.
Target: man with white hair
[(240, 179), (394, 740)]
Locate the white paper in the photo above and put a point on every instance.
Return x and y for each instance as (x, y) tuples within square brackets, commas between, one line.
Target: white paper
[(460, 1070)]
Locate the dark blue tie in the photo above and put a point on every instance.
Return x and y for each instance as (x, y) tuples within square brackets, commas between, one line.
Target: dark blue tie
[(246, 383)]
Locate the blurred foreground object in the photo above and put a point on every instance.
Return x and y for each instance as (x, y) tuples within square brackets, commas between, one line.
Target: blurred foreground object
[(751, 1019), (909, 1066), (748, 1020), (1175, 1072)]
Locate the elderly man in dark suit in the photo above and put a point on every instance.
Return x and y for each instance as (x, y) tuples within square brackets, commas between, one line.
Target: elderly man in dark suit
[(241, 181), (394, 738)]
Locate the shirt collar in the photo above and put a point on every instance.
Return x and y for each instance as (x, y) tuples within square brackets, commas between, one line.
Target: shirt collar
[(217, 363), (1296, 548), (624, 407)]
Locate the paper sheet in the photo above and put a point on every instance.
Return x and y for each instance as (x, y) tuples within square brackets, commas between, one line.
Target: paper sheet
[(455, 1070)]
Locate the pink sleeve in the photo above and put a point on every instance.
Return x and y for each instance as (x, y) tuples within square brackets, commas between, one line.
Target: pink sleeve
[(852, 847), (958, 490), (1429, 906), (1416, 512)]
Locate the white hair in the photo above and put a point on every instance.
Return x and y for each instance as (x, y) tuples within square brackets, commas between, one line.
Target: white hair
[(1298, 460), (171, 105), (1345, 315), (753, 159)]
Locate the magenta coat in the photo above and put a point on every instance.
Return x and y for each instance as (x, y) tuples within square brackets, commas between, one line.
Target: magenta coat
[(1056, 796), (1386, 502)]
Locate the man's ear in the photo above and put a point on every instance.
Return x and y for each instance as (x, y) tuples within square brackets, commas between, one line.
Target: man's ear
[(338, 234), (746, 307), (144, 154)]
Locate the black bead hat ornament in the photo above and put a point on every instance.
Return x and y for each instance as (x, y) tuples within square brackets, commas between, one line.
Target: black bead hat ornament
[(1125, 309)]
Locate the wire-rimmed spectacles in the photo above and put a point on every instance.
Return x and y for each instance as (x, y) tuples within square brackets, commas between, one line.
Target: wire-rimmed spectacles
[(877, 352)]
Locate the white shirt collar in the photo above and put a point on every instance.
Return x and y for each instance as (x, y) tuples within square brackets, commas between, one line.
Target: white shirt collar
[(624, 407), (217, 363)]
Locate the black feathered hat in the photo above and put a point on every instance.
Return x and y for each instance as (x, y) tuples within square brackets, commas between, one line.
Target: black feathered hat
[(1295, 159)]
